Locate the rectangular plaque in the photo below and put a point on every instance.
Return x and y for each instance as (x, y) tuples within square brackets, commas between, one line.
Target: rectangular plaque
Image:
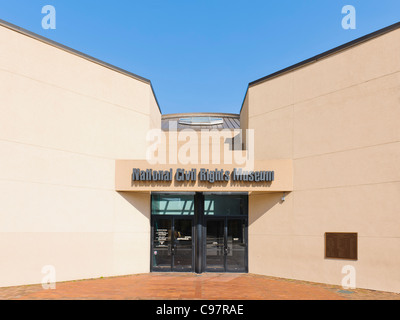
[(341, 245)]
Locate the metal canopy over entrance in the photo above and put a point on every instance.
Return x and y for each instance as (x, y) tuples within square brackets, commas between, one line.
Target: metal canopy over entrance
[(199, 232)]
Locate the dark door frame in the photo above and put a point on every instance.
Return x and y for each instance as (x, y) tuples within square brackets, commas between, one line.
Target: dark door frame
[(173, 244), (226, 220), (198, 233)]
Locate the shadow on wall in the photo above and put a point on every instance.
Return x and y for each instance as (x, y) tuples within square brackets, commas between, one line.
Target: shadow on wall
[(261, 203), (140, 201)]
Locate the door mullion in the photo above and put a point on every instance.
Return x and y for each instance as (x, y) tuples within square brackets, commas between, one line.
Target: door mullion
[(172, 243), (198, 235), (225, 242)]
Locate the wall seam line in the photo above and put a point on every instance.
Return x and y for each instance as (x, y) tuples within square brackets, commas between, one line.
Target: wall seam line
[(325, 94), (347, 150), (74, 92)]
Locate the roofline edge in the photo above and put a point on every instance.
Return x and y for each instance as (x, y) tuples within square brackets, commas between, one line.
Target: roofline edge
[(323, 55), (80, 54)]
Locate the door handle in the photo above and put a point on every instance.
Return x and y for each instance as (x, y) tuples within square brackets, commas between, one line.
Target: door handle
[(173, 249)]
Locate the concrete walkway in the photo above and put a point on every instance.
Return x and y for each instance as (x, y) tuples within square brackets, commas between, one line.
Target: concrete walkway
[(175, 286)]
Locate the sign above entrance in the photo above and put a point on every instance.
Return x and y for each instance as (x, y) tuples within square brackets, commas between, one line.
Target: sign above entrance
[(266, 176), (204, 175)]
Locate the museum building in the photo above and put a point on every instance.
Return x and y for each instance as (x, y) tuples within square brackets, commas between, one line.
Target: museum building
[(303, 182)]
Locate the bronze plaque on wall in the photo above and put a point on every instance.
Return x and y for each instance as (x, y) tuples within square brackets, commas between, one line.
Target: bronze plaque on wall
[(341, 245)]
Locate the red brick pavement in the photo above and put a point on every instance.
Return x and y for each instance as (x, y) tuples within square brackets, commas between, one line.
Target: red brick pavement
[(177, 286)]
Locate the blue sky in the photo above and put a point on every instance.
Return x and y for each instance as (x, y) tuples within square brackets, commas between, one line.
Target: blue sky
[(200, 55)]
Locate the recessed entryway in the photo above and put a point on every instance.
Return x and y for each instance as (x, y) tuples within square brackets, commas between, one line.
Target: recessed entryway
[(199, 232)]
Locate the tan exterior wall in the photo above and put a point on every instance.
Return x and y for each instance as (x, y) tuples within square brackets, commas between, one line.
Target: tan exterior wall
[(154, 112), (337, 119), (244, 120), (63, 122)]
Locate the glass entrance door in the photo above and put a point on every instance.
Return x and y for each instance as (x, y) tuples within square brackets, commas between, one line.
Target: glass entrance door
[(161, 249), (236, 244), (225, 245), (172, 244), (215, 245), (199, 232), (182, 245)]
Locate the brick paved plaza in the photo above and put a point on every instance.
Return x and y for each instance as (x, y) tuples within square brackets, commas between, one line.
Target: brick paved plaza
[(174, 286)]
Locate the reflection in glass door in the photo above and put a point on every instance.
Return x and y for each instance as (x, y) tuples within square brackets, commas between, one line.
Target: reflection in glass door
[(199, 232), (182, 253), (236, 245), (162, 244), (215, 245), (226, 246), (172, 244)]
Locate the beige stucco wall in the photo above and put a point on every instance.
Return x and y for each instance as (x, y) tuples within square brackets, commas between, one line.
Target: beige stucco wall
[(338, 120), (244, 120), (63, 122)]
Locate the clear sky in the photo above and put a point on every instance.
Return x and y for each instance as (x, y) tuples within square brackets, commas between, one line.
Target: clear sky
[(200, 55)]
